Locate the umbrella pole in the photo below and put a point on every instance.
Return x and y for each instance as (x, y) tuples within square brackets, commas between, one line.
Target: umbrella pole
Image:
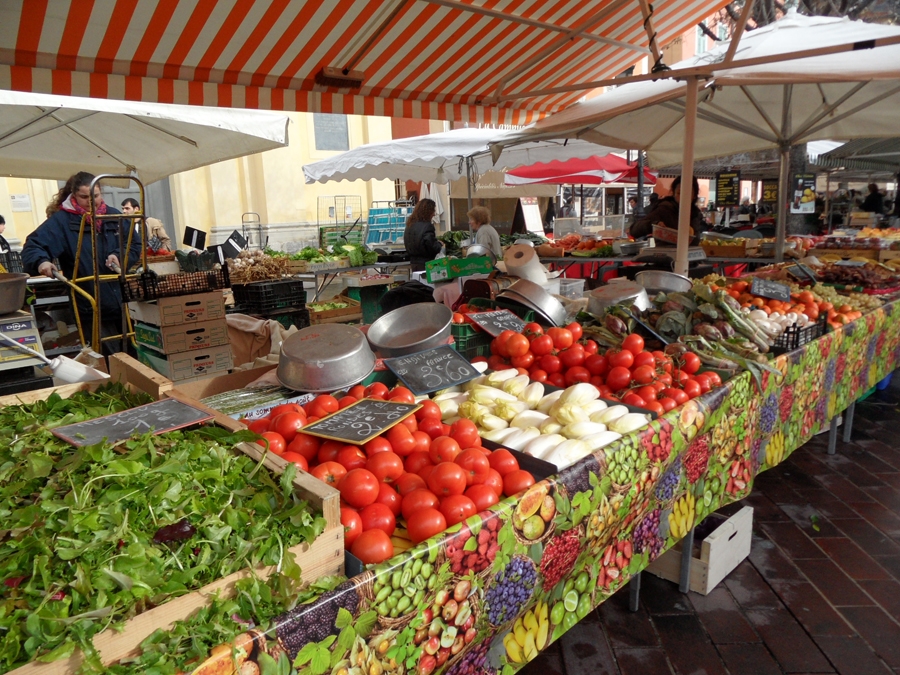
[(687, 178), (639, 204), (469, 192), (783, 201), (827, 210)]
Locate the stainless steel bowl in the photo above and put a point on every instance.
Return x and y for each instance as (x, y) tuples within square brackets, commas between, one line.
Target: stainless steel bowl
[(12, 292), (617, 293), (411, 329), (658, 281), (329, 357), (532, 295), (478, 250), (629, 247)]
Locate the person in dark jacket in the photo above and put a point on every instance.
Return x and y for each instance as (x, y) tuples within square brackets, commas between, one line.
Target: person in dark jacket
[(56, 240), (665, 212), (4, 245), (874, 201), (419, 236)]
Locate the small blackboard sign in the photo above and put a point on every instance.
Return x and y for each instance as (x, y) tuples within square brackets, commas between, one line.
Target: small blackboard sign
[(166, 415), (431, 370), (850, 263), (497, 321), (802, 273), (361, 422), (770, 289)]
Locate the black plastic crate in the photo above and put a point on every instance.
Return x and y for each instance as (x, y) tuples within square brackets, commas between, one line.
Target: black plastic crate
[(152, 286), (12, 261), (266, 296), (795, 337)]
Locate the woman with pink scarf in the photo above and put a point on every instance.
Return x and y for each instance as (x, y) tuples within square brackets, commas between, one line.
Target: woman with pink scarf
[(55, 242)]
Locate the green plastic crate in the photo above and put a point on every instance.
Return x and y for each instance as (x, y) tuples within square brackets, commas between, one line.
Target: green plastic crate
[(471, 342), (329, 235)]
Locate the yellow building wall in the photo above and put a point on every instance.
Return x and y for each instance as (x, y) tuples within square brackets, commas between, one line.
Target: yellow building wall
[(269, 183)]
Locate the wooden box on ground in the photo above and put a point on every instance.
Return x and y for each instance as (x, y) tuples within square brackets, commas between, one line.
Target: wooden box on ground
[(720, 553), (180, 309), (353, 311), (324, 556)]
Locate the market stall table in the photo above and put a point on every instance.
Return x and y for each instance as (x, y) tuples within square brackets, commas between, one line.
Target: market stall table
[(328, 276)]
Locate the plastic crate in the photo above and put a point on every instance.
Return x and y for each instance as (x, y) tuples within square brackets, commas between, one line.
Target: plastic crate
[(151, 286), (288, 318), (12, 261), (795, 337), (571, 288), (330, 235), (261, 297), (474, 345)]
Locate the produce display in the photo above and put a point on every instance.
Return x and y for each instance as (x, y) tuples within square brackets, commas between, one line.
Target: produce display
[(357, 255), (325, 306), (97, 534), (256, 266)]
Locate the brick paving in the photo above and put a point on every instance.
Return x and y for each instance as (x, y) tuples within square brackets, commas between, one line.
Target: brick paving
[(819, 593)]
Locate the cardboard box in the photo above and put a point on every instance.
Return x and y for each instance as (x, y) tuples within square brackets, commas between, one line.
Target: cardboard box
[(194, 364), (183, 337), (181, 309), (451, 268), (720, 552)]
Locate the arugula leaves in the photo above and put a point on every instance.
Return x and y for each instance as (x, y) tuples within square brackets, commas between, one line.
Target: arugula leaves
[(77, 553)]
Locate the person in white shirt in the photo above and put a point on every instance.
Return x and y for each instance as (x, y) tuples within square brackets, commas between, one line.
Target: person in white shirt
[(485, 234)]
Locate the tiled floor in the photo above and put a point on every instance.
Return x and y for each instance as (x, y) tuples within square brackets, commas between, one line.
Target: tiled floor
[(820, 592)]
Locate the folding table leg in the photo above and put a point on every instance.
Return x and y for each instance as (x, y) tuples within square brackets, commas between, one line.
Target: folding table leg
[(687, 544), (832, 436), (848, 421), (634, 592)]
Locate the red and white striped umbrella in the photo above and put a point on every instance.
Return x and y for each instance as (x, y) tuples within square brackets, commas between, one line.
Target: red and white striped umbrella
[(593, 170), (485, 61)]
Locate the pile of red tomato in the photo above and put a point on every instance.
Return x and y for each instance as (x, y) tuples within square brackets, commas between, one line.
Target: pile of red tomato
[(559, 356), (432, 474)]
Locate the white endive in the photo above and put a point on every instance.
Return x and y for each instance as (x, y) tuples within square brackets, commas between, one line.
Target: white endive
[(567, 453), (540, 447), (628, 423)]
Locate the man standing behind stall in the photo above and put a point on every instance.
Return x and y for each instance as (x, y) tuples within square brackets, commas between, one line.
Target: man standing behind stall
[(155, 228)]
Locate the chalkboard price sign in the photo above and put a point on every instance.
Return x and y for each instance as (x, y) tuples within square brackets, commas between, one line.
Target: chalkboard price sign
[(497, 321), (802, 273), (166, 415), (850, 263), (361, 422), (431, 370), (728, 188), (770, 289)]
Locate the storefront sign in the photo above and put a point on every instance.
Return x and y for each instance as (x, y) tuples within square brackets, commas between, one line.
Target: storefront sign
[(159, 417), (728, 188), (432, 370), (769, 192), (770, 289), (362, 421), (803, 197), (498, 321)]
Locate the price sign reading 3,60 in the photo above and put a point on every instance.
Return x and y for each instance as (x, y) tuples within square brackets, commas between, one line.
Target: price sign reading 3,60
[(432, 370)]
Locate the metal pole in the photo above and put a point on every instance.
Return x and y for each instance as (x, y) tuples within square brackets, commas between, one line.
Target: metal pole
[(469, 193), (784, 199), (687, 175), (639, 206), (827, 209)]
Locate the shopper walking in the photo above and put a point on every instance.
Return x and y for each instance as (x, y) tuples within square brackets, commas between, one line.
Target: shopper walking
[(419, 236)]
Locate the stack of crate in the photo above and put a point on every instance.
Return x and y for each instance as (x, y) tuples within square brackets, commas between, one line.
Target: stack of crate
[(282, 300), (184, 337)]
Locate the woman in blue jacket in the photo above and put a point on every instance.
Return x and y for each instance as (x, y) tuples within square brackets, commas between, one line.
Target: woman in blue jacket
[(56, 240)]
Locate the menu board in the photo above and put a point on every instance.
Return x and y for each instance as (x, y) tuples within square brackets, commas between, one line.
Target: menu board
[(769, 192), (361, 422), (497, 321), (728, 188), (166, 415), (770, 289), (432, 370)]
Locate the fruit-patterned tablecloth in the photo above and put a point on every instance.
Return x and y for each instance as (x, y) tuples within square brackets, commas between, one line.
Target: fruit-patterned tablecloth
[(485, 598)]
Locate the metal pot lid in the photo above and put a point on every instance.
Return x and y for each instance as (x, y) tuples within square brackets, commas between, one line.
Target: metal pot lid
[(319, 349), (614, 293)]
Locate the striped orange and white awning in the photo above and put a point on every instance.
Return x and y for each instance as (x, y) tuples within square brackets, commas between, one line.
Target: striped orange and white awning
[(477, 61)]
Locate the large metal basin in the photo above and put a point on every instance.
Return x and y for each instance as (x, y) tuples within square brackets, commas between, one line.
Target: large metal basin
[(325, 358), (12, 292), (659, 281), (617, 293), (411, 329), (531, 295)]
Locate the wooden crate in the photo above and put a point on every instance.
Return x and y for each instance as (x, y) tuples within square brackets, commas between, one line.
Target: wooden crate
[(351, 313), (871, 253), (720, 552), (887, 254), (324, 556), (735, 250), (304, 266)]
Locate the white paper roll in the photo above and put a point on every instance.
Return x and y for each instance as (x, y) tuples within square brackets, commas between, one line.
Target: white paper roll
[(522, 261)]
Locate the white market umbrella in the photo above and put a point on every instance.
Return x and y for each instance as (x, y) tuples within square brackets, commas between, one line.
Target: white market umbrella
[(52, 137), (442, 157), (846, 86)]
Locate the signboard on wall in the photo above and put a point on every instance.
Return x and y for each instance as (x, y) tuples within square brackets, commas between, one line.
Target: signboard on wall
[(532, 212), (769, 192), (20, 203), (728, 188), (331, 131), (803, 194)]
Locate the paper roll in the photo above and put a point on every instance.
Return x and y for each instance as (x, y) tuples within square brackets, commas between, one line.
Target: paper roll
[(522, 261)]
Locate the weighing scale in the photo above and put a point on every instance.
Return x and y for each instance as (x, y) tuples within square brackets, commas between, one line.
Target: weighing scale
[(17, 370)]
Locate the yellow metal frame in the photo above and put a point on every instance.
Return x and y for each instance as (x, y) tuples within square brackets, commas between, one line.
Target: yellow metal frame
[(96, 277)]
